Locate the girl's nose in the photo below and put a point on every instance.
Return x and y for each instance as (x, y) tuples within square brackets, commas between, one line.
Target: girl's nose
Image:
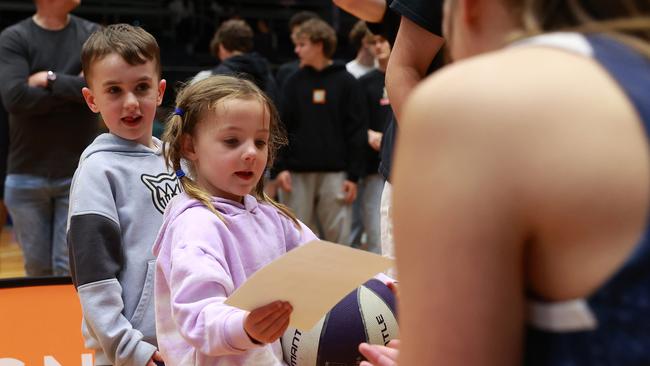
[(249, 152)]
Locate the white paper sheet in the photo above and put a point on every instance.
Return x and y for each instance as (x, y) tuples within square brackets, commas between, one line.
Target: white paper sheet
[(313, 278)]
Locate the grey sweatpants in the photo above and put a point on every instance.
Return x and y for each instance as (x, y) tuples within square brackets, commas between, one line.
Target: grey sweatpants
[(316, 198)]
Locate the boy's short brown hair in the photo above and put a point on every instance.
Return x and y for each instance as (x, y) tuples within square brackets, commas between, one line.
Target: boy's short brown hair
[(358, 33), (233, 35), (301, 17), (135, 45), (318, 31)]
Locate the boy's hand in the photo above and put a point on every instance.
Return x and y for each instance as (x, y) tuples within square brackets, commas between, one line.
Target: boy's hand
[(267, 323), (156, 359), (374, 139), (349, 190), (284, 180), (380, 355)]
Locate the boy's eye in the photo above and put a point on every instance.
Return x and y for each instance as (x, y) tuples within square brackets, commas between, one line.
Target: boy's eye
[(113, 90), (143, 87)]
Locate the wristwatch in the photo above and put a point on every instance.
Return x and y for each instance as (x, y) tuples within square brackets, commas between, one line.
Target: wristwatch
[(51, 78)]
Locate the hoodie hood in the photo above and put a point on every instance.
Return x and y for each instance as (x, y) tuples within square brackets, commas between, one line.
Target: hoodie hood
[(251, 64), (336, 65), (226, 207), (107, 142)]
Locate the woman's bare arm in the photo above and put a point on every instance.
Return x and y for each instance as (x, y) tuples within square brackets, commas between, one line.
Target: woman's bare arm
[(368, 10), (458, 239), (412, 53)]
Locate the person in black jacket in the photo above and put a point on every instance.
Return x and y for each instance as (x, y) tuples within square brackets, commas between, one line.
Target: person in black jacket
[(367, 212), (323, 111), (233, 44)]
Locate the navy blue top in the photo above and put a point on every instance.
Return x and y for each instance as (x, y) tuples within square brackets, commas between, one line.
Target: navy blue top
[(428, 15), (622, 305)]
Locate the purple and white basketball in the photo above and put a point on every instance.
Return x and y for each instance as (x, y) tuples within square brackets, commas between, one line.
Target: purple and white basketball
[(367, 314)]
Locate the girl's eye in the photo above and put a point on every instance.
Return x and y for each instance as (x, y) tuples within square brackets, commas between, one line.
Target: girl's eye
[(260, 143), (231, 142)]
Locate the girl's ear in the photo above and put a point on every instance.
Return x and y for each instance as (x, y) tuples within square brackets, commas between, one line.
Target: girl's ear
[(187, 147)]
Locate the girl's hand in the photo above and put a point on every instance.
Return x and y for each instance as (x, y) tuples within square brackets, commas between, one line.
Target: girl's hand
[(267, 323), (380, 355), (155, 359)]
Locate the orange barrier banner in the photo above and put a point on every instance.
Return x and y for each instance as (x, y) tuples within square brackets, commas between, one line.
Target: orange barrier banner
[(41, 325)]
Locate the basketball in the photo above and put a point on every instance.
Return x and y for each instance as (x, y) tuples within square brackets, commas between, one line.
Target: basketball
[(367, 314)]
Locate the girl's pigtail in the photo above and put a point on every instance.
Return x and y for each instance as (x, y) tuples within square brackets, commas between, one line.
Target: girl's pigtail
[(284, 210), (173, 136)]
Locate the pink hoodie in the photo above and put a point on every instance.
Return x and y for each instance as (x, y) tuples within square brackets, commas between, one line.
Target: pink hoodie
[(200, 262)]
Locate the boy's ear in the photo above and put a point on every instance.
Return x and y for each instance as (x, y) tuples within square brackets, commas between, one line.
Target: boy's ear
[(187, 147), (90, 99), (320, 46), (162, 85), (471, 11)]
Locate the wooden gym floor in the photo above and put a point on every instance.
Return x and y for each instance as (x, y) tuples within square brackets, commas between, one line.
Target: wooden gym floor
[(11, 257)]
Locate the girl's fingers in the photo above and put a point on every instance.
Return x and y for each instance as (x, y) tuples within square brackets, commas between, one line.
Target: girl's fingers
[(278, 329), (260, 314), (265, 325)]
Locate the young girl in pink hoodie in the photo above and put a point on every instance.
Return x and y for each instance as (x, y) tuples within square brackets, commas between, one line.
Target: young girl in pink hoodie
[(222, 228)]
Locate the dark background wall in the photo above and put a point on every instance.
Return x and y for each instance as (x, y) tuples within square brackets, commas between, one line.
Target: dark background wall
[(184, 28)]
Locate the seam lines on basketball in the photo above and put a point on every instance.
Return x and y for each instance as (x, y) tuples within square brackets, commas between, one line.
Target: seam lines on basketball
[(380, 298), (363, 317), (319, 362)]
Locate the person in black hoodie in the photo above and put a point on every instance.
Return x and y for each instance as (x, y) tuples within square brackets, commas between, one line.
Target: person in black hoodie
[(232, 44), (323, 112)]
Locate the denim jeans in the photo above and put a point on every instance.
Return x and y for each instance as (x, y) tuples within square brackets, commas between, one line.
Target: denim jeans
[(39, 209), (365, 213)]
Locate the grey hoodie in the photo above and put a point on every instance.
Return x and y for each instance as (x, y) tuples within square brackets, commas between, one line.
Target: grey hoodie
[(118, 195)]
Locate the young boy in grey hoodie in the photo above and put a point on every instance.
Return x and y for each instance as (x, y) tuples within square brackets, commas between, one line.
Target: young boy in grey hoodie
[(118, 196)]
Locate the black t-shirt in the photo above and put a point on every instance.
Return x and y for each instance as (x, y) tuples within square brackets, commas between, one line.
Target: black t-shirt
[(428, 15), (388, 26), (425, 13)]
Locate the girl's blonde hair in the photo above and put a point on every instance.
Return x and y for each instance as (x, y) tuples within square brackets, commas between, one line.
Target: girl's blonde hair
[(193, 102), (626, 20)]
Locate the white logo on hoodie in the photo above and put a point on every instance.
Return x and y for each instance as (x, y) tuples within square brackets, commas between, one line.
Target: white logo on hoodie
[(163, 188)]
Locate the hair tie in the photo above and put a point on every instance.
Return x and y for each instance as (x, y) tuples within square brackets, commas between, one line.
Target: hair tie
[(180, 173), (179, 112)]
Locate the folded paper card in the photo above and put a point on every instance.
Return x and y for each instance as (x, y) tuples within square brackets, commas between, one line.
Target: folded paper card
[(313, 278)]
